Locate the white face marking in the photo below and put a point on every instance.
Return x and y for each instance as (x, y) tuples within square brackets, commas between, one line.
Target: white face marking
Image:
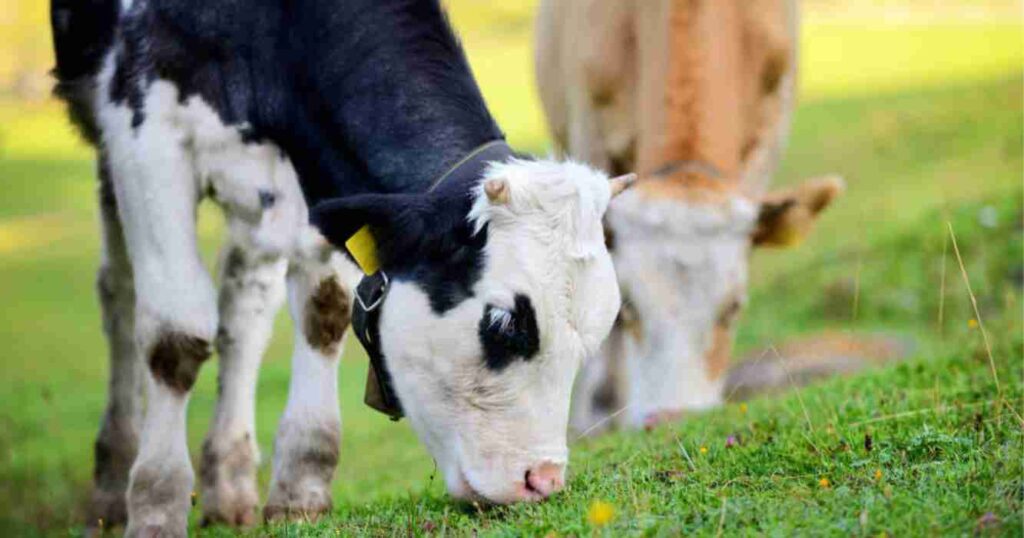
[(680, 264), (486, 428)]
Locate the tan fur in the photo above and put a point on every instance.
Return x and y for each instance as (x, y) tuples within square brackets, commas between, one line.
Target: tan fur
[(716, 85), (642, 84), (788, 216), (720, 352)]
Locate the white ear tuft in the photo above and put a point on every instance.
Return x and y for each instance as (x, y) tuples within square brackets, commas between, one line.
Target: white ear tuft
[(497, 191)]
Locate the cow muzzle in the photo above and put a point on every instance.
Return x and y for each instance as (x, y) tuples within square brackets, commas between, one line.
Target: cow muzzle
[(538, 483)]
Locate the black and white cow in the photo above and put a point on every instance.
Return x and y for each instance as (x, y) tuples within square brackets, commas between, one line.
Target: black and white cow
[(500, 282)]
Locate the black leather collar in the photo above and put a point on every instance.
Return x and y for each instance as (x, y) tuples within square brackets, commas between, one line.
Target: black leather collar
[(373, 289)]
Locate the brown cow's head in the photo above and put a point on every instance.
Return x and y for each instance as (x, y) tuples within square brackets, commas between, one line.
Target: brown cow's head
[(682, 260), (696, 95)]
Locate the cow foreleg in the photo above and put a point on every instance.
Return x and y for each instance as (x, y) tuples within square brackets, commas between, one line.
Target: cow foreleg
[(118, 439), (175, 303), (307, 443), (252, 289)]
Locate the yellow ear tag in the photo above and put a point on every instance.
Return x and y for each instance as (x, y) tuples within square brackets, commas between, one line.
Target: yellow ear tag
[(363, 249)]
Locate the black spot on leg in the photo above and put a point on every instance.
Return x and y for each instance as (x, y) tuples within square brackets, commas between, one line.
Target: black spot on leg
[(504, 342), (176, 358)]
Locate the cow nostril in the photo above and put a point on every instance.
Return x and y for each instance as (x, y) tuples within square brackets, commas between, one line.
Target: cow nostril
[(529, 485), (542, 481)]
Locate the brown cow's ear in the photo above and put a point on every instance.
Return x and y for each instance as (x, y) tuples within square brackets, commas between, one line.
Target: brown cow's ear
[(787, 217)]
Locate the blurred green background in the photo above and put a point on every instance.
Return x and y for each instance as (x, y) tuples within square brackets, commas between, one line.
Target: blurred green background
[(918, 103)]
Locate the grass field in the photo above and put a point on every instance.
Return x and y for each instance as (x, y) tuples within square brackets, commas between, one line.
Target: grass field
[(925, 122)]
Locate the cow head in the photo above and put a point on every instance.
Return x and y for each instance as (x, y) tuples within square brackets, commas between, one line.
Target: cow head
[(681, 255), (498, 291)]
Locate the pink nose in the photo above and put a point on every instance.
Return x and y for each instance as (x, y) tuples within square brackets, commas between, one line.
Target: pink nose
[(542, 481)]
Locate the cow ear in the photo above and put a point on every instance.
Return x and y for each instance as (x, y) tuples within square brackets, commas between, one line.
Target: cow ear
[(785, 218), (507, 334), (385, 216)]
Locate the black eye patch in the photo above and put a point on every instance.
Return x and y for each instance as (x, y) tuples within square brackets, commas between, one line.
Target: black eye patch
[(508, 334)]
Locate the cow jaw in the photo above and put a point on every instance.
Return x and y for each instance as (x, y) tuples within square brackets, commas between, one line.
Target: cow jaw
[(682, 264), (486, 384)]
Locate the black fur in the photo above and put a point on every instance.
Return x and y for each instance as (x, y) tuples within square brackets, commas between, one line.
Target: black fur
[(371, 100), (363, 95), (83, 32), (520, 339)]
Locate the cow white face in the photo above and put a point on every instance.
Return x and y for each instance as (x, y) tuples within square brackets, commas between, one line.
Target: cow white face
[(682, 263), (485, 379)]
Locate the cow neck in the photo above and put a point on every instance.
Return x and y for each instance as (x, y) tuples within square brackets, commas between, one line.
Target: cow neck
[(390, 98), (709, 102)]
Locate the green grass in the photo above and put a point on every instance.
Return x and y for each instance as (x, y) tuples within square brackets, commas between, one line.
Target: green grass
[(924, 121)]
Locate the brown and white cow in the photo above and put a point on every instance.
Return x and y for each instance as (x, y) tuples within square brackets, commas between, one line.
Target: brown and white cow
[(696, 96)]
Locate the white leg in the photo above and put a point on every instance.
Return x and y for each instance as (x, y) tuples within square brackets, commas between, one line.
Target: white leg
[(175, 305), (118, 439), (159, 494), (252, 290), (306, 447)]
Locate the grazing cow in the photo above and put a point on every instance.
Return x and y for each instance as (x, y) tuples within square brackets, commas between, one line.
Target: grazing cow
[(697, 96), (498, 281)]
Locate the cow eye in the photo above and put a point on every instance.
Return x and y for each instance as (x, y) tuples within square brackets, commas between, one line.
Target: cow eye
[(509, 333)]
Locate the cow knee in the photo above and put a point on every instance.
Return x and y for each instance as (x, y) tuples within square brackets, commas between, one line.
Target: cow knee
[(175, 359), (327, 316)]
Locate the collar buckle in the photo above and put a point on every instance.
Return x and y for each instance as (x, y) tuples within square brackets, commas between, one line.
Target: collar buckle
[(377, 294)]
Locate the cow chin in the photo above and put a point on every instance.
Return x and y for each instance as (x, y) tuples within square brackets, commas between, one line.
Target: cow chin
[(502, 474)]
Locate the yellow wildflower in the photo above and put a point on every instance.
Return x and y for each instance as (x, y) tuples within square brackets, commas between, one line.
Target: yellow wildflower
[(972, 323), (743, 408), (878, 474), (703, 450), (600, 513), (824, 482)]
